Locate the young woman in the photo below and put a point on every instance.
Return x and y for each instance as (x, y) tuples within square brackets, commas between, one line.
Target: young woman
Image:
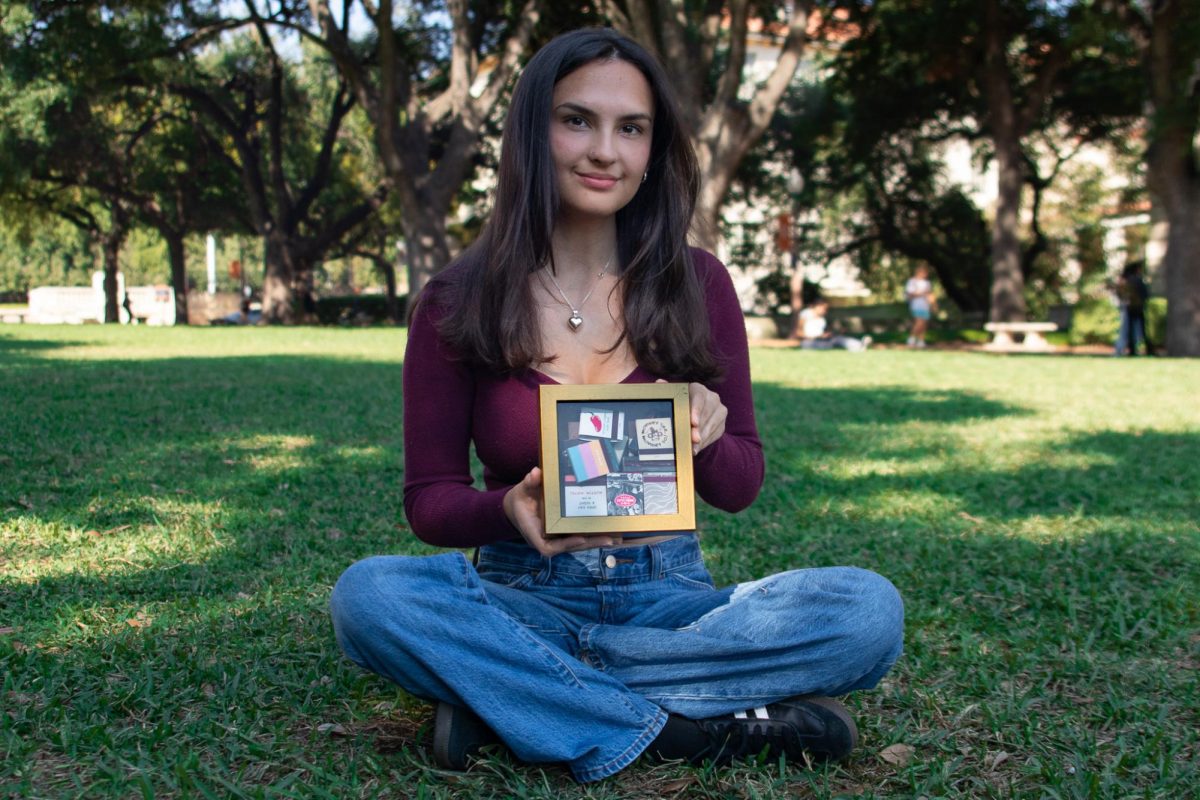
[(593, 650), (918, 290)]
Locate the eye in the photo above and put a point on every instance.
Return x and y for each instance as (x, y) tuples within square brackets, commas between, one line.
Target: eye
[(632, 129), (575, 121)]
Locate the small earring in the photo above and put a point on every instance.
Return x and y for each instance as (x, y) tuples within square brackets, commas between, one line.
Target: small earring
[(645, 175)]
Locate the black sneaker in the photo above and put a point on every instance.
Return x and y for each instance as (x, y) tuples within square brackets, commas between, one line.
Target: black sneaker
[(817, 727), (458, 736)]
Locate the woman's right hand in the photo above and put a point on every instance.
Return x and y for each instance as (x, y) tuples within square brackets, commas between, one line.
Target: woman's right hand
[(525, 510)]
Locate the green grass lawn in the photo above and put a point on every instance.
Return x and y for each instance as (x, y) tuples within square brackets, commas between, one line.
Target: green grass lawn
[(176, 504)]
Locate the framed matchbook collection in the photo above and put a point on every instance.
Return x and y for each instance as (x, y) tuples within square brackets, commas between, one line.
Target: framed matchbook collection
[(617, 457)]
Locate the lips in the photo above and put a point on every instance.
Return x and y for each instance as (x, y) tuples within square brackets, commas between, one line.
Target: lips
[(597, 180)]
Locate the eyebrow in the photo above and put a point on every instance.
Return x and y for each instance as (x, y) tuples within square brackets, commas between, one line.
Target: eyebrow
[(585, 111)]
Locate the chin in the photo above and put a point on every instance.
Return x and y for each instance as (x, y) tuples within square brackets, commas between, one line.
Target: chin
[(595, 210)]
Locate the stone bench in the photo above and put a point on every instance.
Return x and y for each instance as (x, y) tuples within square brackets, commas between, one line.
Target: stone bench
[(1003, 332)]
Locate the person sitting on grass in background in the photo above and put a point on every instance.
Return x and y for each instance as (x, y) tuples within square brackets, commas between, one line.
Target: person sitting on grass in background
[(918, 292), (815, 335), (592, 650)]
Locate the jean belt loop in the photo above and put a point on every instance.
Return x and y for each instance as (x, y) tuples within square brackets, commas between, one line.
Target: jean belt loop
[(547, 568), (656, 561)]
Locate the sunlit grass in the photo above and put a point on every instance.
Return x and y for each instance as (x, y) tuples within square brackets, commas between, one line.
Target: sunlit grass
[(176, 504)]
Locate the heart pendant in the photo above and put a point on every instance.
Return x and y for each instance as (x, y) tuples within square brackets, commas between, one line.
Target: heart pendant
[(575, 321)]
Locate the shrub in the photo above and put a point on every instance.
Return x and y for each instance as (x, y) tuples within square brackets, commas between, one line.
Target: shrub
[(1095, 321), (356, 309), (1156, 321)]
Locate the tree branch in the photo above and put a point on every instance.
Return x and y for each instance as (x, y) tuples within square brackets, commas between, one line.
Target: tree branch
[(853, 245), (1039, 91), (672, 32), (281, 188), (336, 42), (342, 103), (459, 90), (252, 179), (735, 64), (767, 98), (346, 222)]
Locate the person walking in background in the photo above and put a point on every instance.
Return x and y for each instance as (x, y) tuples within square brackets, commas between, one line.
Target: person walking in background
[(1132, 294), (814, 333), (918, 291)]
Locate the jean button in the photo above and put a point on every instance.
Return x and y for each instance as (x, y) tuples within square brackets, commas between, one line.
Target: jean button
[(610, 561)]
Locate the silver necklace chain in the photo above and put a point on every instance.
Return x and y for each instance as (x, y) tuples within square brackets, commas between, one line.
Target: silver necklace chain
[(575, 321)]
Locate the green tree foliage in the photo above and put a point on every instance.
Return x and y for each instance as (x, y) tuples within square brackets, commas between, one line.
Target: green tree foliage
[(180, 184), (140, 114), (39, 250), (84, 139), (705, 48), (885, 205), (428, 76), (283, 121), (998, 74)]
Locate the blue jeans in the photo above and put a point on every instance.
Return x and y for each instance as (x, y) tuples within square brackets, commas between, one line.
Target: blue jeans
[(579, 658), (1132, 332)]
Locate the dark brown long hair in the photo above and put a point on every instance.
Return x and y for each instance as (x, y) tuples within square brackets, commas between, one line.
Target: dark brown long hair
[(489, 316)]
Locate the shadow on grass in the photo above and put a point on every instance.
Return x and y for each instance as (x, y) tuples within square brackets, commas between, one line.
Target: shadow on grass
[(224, 495), (1123, 472), (12, 349), (224, 475), (258, 461)]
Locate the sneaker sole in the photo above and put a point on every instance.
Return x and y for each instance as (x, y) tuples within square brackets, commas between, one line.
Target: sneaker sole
[(838, 710), (442, 725)]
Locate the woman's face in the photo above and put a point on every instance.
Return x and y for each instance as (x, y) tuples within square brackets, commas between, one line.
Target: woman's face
[(601, 121)]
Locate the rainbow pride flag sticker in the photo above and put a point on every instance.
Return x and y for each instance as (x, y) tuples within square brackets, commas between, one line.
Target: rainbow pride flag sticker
[(590, 460)]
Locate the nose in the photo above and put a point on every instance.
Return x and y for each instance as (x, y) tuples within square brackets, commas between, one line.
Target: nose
[(602, 151)]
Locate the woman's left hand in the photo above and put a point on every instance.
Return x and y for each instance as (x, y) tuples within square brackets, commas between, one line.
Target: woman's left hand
[(708, 416)]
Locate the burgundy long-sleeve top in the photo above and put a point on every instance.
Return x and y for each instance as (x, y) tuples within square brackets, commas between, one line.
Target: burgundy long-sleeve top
[(448, 404)]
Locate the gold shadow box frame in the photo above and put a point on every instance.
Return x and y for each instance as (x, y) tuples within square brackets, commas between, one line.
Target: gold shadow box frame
[(612, 396)]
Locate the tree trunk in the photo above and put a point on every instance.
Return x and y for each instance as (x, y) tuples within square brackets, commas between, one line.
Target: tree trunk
[(409, 132), (110, 246), (1182, 266), (1172, 53), (1008, 283), (175, 251), (719, 158), (686, 36), (279, 299), (389, 274), (112, 266), (425, 243)]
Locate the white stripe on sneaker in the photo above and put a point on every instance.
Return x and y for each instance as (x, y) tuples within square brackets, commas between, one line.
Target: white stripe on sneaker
[(761, 712), (740, 715)]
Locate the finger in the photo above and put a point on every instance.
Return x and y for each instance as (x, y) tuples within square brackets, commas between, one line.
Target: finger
[(593, 542), (534, 479), (716, 428), (711, 433), (567, 544)]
